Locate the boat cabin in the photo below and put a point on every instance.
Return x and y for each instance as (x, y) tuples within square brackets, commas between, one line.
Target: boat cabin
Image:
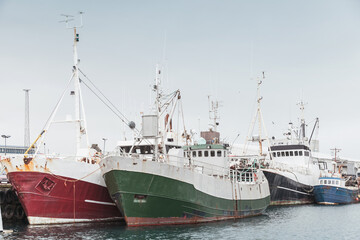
[(332, 181), (210, 158), (294, 154), (289, 151)]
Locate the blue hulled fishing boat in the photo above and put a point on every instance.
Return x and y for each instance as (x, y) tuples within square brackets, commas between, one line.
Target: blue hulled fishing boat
[(332, 191)]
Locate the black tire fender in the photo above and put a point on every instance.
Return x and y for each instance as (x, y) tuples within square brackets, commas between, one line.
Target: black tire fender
[(9, 212)]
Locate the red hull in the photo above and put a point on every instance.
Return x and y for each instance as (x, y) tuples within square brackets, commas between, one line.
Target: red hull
[(52, 199)]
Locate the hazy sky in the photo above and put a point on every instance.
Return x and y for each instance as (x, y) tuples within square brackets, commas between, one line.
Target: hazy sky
[(306, 48)]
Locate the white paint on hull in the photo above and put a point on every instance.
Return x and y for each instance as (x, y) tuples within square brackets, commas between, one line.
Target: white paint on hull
[(292, 190), (98, 202), (45, 220), (64, 167)]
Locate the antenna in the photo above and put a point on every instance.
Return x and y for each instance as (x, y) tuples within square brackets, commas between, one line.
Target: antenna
[(213, 108), (302, 108), (69, 18)]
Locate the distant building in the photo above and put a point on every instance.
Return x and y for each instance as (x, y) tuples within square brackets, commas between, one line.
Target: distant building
[(11, 150)]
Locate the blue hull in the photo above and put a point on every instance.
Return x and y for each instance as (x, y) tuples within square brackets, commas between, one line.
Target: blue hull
[(335, 195)]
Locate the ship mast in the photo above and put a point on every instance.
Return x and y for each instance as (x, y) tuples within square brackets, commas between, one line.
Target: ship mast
[(80, 119), (157, 106), (76, 92), (257, 118), (259, 98), (213, 108), (302, 121)]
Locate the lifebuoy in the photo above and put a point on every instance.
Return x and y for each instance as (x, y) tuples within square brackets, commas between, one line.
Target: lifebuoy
[(9, 212)]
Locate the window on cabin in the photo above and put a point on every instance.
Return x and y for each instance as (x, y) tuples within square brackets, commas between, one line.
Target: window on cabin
[(296, 153), (199, 153), (300, 153), (224, 153), (206, 153), (287, 153), (291, 153), (325, 181), (194, 153), (184, 154), (321, 181), (274, 154), (278, 154), (337, 182), (283, 154), (212, 153), (218, 153), (307, 153)]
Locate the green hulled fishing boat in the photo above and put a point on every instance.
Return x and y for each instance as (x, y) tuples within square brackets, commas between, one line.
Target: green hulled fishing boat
[(157, 182)]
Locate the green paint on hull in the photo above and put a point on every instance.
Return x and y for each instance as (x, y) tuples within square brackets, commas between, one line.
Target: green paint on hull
[(169, 198)]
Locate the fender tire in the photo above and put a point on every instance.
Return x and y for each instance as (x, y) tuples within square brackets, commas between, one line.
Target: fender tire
[(9, 212), (19, 212)]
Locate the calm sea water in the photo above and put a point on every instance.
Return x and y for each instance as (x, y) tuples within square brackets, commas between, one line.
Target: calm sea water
[(298, 222)]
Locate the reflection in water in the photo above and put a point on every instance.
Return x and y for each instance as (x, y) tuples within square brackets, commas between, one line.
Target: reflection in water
[(297, 222)]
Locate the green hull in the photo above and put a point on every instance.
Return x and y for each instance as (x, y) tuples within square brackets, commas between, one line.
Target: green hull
[(147, 199)]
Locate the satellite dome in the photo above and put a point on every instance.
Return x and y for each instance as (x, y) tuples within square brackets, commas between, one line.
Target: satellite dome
[(201, 141)]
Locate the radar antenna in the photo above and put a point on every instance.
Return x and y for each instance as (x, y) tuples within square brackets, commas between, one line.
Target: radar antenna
[(69, 18)]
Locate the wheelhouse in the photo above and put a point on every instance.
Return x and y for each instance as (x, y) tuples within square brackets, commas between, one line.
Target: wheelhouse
[(289, 151), (331, 181)]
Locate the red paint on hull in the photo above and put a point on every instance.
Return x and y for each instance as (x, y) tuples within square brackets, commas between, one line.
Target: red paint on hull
[(140, 222), (50, 196)]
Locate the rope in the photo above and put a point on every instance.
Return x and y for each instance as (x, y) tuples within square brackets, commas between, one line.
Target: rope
[(103, 96), (74, 200)]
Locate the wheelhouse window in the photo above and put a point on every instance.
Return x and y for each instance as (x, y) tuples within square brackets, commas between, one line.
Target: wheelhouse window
[(194, 153), (300, 153), (291, 153), (199, 153), (337, 182), (296, 153), (325, 181), (206, 153), (307, 153), (283, 154), (278, 154), (274, 154), (212, 153), (321, 181), (218, 153), (287, 153)]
